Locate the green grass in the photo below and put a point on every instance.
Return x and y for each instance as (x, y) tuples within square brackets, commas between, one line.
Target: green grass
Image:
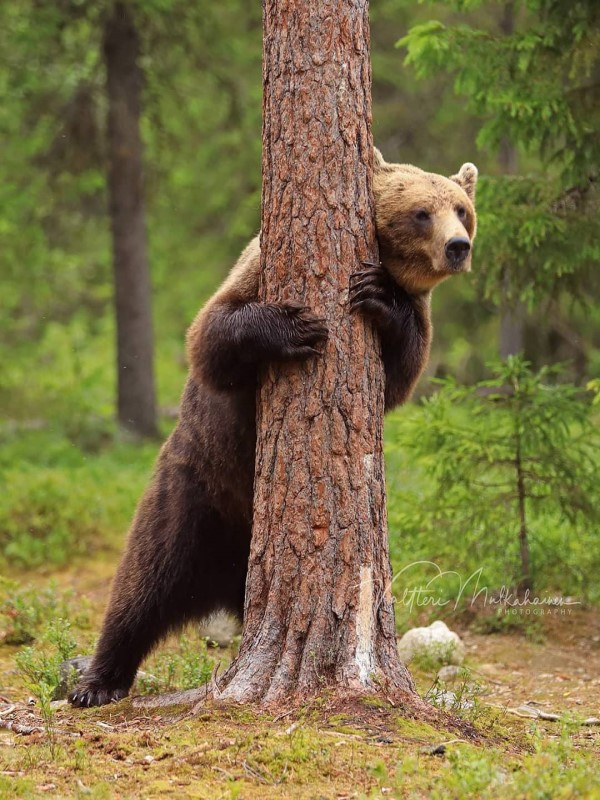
[(226, 752), (62, 502)]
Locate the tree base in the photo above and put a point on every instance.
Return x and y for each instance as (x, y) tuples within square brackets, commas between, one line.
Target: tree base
[(377, 714)]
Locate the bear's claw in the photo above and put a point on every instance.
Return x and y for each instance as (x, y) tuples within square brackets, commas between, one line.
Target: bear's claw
[(88, 696), (370, 293), (305, 333)]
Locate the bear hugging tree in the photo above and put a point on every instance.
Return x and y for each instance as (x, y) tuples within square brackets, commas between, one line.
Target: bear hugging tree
[(317, 579)]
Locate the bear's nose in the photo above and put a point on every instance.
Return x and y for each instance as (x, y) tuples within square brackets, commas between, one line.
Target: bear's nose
[(457, 249)]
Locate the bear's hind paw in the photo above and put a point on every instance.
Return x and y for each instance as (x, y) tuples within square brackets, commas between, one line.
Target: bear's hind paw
[(86, 696)]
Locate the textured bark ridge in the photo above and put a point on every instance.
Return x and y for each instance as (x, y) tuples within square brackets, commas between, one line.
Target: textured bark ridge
[(319, 611), (136, 394)]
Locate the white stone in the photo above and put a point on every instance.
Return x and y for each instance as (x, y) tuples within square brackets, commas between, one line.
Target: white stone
[(220, 629), (436, 642)]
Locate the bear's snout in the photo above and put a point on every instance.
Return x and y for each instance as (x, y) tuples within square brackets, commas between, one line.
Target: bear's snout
[(457, 250)]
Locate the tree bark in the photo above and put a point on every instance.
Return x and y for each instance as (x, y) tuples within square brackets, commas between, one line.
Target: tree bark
[(135, 383), (525, 581), (319, 609)]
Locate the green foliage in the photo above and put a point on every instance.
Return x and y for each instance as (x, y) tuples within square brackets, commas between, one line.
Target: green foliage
[(26, 610), (60, 503), (499, 621), (187, 667), (41, 663), (45, 519), (534, 245), (512, 456), (531, 75), (201, 129), (556, 768)]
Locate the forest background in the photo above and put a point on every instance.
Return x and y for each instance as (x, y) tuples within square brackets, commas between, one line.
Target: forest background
[(493, 466)]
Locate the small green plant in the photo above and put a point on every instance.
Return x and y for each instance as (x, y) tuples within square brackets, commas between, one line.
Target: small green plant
[(41, 663), (463, 698), (41, 666), (187, 667)]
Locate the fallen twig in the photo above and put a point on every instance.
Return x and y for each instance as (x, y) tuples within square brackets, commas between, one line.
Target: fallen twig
[(213, 682), (18, 727), (527, 712), (26, 730)]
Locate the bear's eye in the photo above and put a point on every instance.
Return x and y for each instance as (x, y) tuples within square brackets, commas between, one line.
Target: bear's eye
[(422, 216), (461, 212)]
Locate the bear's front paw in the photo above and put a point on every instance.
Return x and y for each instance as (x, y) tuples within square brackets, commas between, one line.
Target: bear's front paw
[(87, 695), (371, 294), (305, 333)]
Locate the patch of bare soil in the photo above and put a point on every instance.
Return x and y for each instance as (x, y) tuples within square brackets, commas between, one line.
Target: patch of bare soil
[(560, 672), (556, 673)]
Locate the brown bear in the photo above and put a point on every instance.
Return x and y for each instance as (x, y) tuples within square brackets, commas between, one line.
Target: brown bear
[(187, 550)]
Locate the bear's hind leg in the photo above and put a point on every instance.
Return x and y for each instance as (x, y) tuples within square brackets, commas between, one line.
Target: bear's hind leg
[(161, 582)]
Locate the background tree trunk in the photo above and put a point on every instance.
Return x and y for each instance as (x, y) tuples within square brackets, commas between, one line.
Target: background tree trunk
[(136, 393), (512, 312), (319, 608)]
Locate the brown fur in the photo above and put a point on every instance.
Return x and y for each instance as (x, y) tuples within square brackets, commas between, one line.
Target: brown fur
[(397, 293), (187, 551)]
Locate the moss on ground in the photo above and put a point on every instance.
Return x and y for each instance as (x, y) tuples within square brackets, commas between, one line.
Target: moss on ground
[(126, 752)]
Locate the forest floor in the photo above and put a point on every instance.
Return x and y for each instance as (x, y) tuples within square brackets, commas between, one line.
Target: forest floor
[(365, 750)]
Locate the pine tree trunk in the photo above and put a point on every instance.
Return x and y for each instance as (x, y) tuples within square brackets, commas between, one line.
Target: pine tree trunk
[(319, 608), (512, 312), (136, 393)]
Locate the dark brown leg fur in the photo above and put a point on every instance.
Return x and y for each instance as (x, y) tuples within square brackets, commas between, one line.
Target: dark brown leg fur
[(236, 339), (183, 561), (402, 321)]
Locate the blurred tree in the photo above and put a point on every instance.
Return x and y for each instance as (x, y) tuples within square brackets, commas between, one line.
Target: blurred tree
[(511, 313), (136, 399), (537, 86), (200, 124)]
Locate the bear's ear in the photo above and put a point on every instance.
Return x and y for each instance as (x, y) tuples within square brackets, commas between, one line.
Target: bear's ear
[(379, 162), (467, 179)]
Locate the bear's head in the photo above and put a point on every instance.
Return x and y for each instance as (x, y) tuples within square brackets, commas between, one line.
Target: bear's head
[(426, 223)]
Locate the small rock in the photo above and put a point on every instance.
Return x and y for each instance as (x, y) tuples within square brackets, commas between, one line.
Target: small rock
[(220, 629), (437, 750), (436, 642)]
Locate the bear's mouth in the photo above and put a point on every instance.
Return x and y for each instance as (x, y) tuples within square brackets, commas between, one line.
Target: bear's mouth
[(454, 268)]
